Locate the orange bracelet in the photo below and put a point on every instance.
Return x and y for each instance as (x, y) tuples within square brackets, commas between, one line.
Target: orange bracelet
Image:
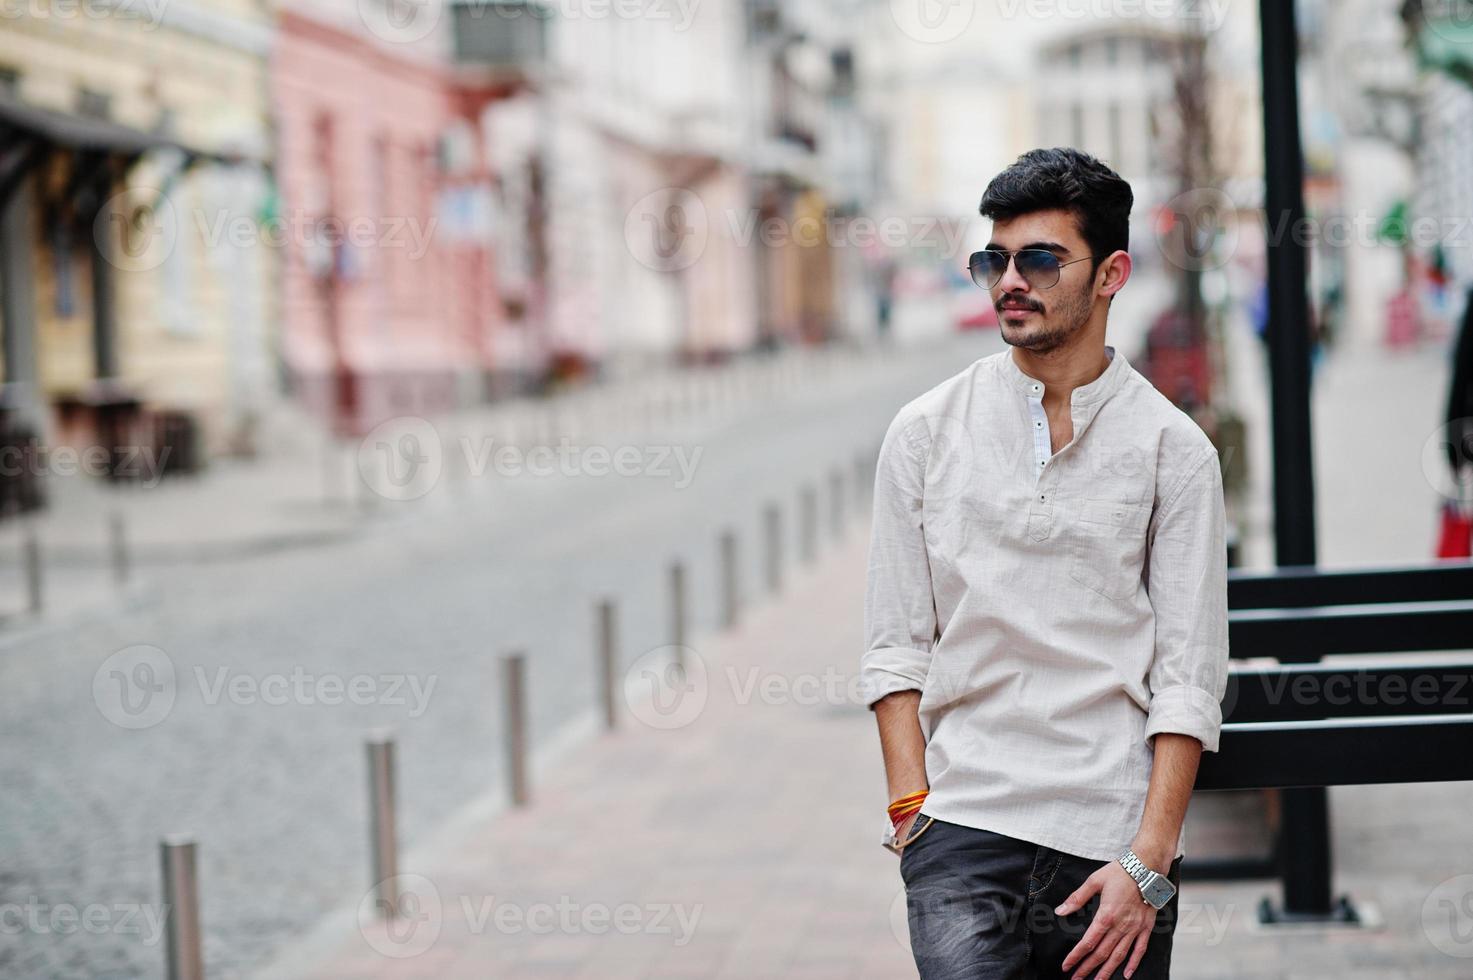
[(906, 805)]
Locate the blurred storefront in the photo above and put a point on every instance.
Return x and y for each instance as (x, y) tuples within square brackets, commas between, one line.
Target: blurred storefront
[(135, 301)]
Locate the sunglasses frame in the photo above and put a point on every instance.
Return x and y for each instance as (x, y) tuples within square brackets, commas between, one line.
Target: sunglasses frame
[(1010, 256)]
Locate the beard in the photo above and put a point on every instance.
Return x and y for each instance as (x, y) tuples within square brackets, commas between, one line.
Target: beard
[(1048, 327)]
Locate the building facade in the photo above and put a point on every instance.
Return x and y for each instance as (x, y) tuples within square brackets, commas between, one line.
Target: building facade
[(133, 184)]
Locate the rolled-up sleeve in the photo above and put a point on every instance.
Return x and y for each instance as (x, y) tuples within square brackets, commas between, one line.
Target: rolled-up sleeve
[(899, 609), (1187, 583)]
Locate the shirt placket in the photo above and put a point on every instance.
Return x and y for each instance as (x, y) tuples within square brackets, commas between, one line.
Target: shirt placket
[(1041, 512)]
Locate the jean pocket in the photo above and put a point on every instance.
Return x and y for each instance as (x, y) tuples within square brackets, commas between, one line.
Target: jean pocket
[(1107, 547)]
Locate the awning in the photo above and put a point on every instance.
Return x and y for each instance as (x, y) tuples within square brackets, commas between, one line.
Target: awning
[(19, 120)]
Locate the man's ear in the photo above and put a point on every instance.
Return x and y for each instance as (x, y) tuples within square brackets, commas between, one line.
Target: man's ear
[(1113, 273)]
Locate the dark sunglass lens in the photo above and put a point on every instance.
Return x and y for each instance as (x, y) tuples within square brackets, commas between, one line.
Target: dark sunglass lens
[(1039, 267), (987, 268)]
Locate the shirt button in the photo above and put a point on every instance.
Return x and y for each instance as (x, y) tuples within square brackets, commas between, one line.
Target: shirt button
[(1042, 498), (1033, 388)]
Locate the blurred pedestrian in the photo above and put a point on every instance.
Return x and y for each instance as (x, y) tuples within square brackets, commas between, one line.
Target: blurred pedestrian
[(1456, 539)]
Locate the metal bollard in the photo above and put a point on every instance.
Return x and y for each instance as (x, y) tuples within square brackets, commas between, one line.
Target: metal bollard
[(183, 954), (730, 599), (382, 827), (608, 659), (33, 569), (772, 520), (808, 524), (118, 542), (514, 692), (836, 503), (677, 609)]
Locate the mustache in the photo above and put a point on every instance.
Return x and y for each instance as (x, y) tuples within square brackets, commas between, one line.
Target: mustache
[(1022, 301)]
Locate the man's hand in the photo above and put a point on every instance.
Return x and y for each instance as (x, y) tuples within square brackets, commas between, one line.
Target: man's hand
[(1121, 927)]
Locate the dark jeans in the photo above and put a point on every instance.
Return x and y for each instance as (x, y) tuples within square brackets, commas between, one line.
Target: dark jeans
[(981, 907)]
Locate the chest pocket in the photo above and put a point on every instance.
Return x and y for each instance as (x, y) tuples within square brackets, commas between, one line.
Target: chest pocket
[(1107, 547)]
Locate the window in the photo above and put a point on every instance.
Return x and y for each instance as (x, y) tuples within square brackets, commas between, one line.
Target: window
[(1116, 143), (94, 104)]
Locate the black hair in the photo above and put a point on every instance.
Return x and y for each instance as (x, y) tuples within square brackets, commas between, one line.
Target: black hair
[(1071, 180)]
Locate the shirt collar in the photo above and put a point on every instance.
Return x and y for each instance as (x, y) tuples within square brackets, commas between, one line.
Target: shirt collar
[(1097, 390)]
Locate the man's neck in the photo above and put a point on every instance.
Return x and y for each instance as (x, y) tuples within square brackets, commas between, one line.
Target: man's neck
[(1064, 368)]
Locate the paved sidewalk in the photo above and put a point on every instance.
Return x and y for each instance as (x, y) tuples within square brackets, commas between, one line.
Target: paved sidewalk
[(757, 822)]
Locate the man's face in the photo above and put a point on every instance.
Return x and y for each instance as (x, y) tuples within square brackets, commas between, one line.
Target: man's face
[(1042, 319)]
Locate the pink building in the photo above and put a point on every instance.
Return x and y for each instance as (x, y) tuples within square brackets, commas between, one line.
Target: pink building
[(389, 302)]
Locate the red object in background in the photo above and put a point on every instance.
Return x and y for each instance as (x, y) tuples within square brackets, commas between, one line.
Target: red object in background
[(1456, 540), (974, 311), (1401, 319), (1176, 360)]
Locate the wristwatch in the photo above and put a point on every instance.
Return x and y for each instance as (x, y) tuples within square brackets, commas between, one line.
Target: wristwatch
[(1156, 889)]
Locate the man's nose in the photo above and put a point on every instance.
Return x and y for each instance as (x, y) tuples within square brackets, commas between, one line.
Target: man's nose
[(1011, 281)]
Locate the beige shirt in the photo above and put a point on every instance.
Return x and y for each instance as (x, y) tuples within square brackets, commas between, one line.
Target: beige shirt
[(1056, 611)]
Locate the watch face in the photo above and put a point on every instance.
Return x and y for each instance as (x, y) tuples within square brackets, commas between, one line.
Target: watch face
[(1159, 891)]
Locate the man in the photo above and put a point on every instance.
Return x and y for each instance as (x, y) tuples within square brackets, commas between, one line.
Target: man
[(1046, 614)]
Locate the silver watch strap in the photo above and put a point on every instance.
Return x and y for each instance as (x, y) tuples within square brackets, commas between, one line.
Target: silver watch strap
[(1135, 867)]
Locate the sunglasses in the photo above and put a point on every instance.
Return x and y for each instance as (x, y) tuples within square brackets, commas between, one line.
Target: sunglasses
[(1037, 265)]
